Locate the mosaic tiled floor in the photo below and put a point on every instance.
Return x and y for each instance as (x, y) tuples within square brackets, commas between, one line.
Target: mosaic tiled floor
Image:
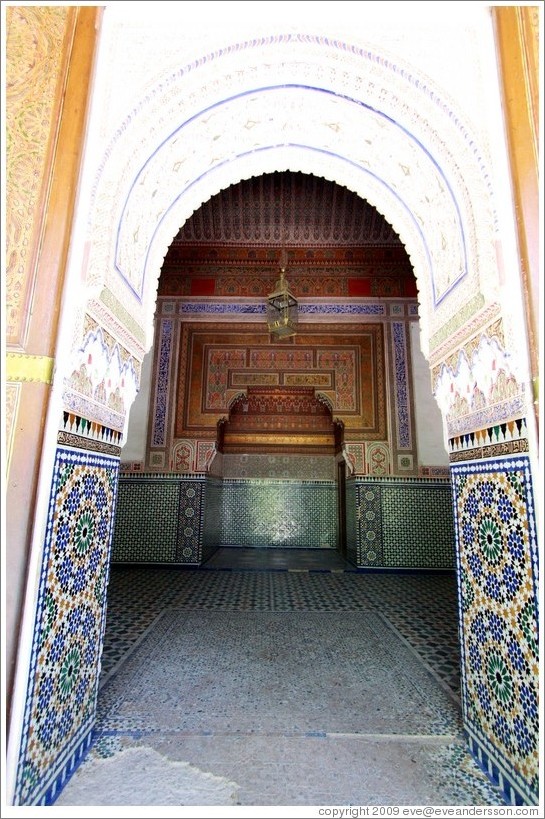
[(302, 686), (276, 673), (421, 607)]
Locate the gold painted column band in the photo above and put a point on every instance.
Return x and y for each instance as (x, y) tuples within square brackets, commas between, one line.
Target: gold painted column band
[(23, 367)]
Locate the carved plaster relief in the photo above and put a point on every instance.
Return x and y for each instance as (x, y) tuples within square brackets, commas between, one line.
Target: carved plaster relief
[(479, 375), (104, 379), (33, 67)]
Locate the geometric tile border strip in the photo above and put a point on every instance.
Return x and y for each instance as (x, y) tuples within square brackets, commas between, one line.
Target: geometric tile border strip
[(402, 388), (162, 387), (507, 438)]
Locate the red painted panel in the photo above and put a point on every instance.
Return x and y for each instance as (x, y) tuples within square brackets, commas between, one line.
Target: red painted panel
[(202, 287), (359, 287)]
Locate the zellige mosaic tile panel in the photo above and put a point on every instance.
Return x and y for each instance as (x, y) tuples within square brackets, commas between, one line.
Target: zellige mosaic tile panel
[(403, 523), (497, 554), (418, 526), (146, 522), (63, 678), (279, 513)]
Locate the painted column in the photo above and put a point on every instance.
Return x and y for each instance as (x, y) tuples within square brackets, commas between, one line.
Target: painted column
[(62, 466), (490, 445)]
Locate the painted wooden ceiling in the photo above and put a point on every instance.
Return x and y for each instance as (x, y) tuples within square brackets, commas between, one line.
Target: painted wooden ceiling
[(287, 208), (326, 236)]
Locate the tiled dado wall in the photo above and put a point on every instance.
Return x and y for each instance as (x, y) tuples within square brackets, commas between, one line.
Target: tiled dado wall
[(400, 523), (182, 519), (159, 519), (279, 513)]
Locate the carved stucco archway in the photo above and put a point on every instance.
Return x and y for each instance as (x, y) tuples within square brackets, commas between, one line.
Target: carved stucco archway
[(301, 103), (304, 104)]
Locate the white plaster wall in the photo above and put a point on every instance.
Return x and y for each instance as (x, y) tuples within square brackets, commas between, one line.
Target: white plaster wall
[(134, 448), (430, 435)]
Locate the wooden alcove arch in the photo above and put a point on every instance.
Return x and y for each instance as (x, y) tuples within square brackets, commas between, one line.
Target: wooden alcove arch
[(280, 419)]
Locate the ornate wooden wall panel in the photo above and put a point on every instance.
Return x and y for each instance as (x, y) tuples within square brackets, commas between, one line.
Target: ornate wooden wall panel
[(344, 364)]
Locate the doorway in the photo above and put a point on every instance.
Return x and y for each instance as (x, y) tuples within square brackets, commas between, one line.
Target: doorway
[(341, 505)]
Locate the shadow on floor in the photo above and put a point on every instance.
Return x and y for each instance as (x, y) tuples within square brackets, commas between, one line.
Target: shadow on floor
[(274, 559)]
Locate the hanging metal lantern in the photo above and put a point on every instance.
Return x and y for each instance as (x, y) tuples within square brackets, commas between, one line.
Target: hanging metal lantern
[(282, 309)]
